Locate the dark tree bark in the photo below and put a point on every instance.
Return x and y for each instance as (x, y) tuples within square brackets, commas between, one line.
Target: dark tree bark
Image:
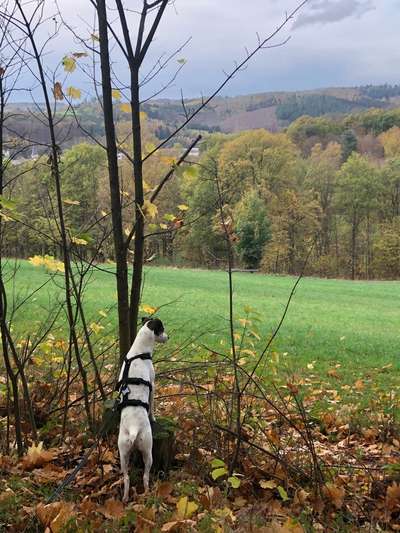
[(116, 208)]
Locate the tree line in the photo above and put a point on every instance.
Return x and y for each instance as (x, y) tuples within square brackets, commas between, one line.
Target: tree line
[(319, 185)]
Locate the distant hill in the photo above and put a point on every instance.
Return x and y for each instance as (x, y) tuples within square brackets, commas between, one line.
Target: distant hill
[(274, 110)]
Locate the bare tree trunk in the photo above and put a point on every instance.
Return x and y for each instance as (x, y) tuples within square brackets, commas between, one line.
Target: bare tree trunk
[(116, 208), (139, 200)]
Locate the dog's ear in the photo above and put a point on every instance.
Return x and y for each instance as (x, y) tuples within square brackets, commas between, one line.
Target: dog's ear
[(145, 319), (155, 325)]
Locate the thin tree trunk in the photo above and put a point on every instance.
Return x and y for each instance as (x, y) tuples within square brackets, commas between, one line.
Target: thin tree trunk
[(139, 200), (116, 208), (55, 171), (354, 247)]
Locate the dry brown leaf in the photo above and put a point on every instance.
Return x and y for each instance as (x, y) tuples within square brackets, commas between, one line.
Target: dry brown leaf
[(36, 457), (359, 385), (393, 497), (113, 509), (65, 514), (334, 494), (169, 526), (57, 91), (165, 489)]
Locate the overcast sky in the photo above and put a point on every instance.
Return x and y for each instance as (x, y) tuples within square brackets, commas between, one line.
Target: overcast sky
[(332, 43)]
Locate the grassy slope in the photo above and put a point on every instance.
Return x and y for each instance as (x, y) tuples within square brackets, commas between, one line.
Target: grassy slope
[(331, 321)]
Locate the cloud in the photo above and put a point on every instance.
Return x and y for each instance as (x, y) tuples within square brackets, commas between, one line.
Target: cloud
[(326, 11)]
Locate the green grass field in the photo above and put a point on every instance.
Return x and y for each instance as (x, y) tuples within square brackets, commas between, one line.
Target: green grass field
[(331, 322)]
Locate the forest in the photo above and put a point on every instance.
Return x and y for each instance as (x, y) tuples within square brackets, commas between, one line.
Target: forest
[(327, 188)]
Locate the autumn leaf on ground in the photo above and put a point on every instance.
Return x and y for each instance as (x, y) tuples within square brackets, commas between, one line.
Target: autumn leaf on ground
[(185, 508), (334, 494), (393, 497), (113, 509), (55, 515), (36, 457), (268, 484)]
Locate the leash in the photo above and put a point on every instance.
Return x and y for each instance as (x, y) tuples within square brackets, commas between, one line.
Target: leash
[(83, 461), (121, 402)]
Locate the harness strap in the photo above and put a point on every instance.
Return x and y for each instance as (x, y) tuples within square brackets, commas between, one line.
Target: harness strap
[(139, 381), (122, 385), (133, 403), (127, 365)]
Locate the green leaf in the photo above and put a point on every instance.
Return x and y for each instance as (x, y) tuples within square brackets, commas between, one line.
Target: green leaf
[(7, 203), (282, 493), (181, 61), (234, 481), (217, 463), (169, 217), (219, 472)]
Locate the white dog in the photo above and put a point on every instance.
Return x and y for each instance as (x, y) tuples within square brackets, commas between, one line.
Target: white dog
[(136, 385)]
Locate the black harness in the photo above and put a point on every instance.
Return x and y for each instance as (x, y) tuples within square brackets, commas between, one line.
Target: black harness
[(123, 388)]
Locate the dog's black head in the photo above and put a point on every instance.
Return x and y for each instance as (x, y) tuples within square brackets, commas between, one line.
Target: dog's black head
[(157, 327)]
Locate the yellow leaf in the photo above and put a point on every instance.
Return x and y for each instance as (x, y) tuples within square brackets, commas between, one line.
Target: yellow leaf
[(79, 241), (71, 202), (69, 63), (146, 187), (163, 226), (185, 508), (143, 115), (268, 484), (183, 207), (116, 94), (74, 93), (149, 209), (125, 108), (96, 327), (102, 313), (150, 310)]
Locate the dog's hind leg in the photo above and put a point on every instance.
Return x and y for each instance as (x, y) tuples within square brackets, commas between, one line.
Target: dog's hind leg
[(145, 445), (125, 446)]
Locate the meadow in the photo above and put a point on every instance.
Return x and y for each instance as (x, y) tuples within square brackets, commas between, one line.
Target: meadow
[(352, 327)]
